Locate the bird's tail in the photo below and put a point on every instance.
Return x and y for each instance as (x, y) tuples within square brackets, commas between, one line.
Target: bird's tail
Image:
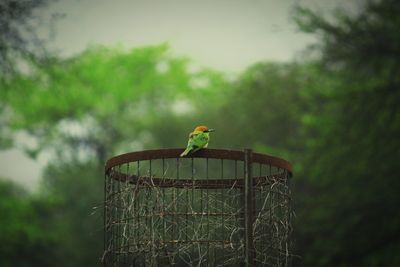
[(186, 152)]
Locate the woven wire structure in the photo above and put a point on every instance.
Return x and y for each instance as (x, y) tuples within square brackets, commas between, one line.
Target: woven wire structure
[(215, 208)]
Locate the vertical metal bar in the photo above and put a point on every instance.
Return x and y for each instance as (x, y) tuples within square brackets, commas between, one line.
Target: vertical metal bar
[(201, 224), (242, 217), (105, 225), (223, 213), (289, 219), (287, 216), (215, 222), (163, 202), (118, 218), (138, 226), (201, 227), (208, 217), (261, 212), (176, 215), (193, 210), (153, 207), (236, 219), (248, 207), (128, 215), (279, 217), (270, 226), (111, 221), (146, 205), (187, 210)]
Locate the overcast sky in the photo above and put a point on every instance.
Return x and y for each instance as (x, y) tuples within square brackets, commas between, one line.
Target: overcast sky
[(227, 35), (224, 34)]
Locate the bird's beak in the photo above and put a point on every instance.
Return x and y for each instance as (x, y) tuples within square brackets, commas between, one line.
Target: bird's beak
[(211, 130)]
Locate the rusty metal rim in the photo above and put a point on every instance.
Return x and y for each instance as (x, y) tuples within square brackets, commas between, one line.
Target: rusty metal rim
[(204, 153), (196, 183)]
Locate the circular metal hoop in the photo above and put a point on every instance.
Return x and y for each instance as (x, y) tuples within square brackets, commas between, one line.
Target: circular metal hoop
[(204, 153), (214, 208)]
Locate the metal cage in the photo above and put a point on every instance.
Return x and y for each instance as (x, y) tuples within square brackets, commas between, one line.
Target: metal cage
[(214, 208)]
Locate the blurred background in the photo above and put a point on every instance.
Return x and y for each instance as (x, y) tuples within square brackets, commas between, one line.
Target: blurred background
[(314, 82)]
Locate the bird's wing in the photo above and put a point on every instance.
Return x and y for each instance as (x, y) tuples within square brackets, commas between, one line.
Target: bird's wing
[(199, 141), (193, 135)]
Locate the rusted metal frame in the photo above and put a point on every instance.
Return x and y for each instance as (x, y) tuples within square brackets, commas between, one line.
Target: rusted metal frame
[(108, 220), (223, 207), (204, 153), (167, 214), (225, 243), (193, 207), (175, 201), (152, 219), (201, 226), (163, 201), (117, 215), (106, 225), (288, 220), (143, 182), (248, 209), (237, 218), (208, 216), (137, 197), (215, 228), (259, 210), (208, 183), (112, 229), (186, 227), (198, 213), (129, 197)]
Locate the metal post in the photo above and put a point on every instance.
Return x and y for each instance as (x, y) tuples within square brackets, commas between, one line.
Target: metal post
[(248, 208), (104, 258)]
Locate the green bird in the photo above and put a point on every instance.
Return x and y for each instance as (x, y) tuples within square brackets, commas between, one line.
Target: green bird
[(198, 139)]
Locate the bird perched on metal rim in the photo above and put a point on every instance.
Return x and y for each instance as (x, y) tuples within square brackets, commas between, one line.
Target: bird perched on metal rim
[(198, 139)]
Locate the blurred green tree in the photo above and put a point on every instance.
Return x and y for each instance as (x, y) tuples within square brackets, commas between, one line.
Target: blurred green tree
[(21, 50), (105, 101), (351, 217), (18, 39), (264, 108), (87, 108), (76, 189), (23, 230)]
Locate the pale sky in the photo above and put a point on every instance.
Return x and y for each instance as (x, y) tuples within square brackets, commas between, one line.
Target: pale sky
[(227, 35), (224, 34)]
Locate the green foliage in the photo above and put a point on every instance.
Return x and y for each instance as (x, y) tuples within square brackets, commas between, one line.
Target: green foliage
[(85, 109), (352, 165), (337, 118), (111, 97), (77, 190), (18, 41), (23, 229)]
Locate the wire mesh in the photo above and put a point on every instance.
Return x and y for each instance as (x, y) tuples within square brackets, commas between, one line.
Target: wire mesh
[(217, 208)]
